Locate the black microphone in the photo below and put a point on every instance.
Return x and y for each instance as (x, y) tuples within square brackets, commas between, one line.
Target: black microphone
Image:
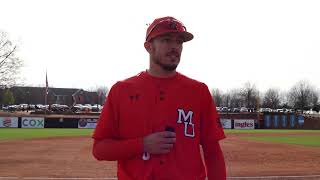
[(168, 128)]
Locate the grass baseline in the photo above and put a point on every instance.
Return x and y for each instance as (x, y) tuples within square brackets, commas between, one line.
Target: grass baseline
[(309, 137), (32, 133)]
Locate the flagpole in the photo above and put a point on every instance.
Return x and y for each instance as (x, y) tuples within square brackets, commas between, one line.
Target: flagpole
[(45, 96)]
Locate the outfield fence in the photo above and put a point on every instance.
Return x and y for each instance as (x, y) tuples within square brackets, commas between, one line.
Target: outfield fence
[(228, 121)]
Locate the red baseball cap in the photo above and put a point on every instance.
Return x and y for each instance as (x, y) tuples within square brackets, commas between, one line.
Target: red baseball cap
[(165, 25)]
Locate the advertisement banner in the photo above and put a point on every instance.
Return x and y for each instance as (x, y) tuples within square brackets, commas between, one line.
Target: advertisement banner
[(267, 121), (32, 122), (244, 124), (284, 120), (292, 121), (226, 123), (300, 120), (8, 122), (87, 123), (275, 121)]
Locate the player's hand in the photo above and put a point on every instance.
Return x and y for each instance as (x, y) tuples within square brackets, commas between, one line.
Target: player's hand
[(159, 142)]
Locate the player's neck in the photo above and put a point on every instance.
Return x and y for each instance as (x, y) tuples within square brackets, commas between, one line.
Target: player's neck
[(161, 73)]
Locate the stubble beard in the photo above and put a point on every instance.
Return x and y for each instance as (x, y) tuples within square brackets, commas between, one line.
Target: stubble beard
[(166, 67)]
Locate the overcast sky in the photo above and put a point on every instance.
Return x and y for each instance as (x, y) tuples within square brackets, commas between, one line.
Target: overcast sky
[(89, 43)]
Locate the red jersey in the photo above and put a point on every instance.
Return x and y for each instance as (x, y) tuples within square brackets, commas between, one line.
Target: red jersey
[(144, 104)]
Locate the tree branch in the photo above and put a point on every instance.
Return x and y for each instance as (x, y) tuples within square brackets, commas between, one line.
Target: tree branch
[(6, 57)]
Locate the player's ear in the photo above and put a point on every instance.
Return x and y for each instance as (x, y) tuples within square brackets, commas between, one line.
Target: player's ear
[(148, 46)]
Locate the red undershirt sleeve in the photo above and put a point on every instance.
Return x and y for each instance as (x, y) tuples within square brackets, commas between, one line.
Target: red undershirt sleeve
[(211, 133), (107, 145), (216, 168)]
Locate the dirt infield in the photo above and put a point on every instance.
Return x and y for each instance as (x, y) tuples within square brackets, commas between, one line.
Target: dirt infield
[(71, 157)]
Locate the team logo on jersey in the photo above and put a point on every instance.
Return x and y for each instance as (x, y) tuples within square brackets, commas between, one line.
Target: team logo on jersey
[(134, 97), (186, 119)]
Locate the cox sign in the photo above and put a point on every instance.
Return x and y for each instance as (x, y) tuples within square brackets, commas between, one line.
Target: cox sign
[(32, 122)]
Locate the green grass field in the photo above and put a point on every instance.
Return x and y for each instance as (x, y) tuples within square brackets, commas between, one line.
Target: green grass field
[(20, 133), (299, 140), (309, 140), (306, 140)]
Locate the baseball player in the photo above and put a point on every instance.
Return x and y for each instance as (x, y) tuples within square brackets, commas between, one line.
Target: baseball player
[(154, 122)]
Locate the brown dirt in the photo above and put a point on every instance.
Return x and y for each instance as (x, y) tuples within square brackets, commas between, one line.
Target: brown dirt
[(257, 158), (71, 157)]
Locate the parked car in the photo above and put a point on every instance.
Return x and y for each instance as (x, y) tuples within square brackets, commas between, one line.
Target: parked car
[(251, 110), (263, 110), (224, 109), (76, 108), (243, 109), (59, 107), (235, 110), (87, 107), (218, 109), (96, 108), (280, 110)]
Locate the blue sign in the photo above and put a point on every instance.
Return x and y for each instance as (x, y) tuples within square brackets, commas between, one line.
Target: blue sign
[(284, 121), (292, 121), (300, 120), (267, 121), (275, 121)]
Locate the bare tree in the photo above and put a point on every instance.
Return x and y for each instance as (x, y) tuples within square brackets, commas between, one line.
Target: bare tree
[(303, 95), (315, 98), (10, 64), (284, 102), (217, 97), (226, 99), (235, 98), (250, 95), (271, 98)]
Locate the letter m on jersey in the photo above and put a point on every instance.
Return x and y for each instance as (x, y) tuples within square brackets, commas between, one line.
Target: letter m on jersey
[(186, 118)]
